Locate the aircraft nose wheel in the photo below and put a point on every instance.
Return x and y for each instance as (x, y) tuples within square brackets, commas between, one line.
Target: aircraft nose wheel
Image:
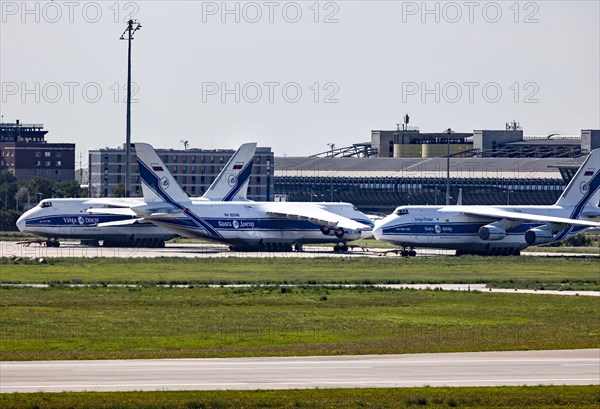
[(52, 243)]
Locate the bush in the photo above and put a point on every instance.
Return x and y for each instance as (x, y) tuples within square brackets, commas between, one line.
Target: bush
[(579, 240), (8, 220)]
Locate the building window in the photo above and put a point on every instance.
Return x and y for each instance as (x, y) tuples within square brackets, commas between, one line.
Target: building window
[(58, 154), (38, 154), (47, 163), (38, 163), (47, 154), (58, 163)]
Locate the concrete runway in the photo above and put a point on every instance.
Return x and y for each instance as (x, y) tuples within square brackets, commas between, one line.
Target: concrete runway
[(74, 249), (567, 367)]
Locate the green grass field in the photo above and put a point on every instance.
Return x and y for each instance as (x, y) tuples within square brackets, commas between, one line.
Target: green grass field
[(550, 397), (150, 322), (506, 272)]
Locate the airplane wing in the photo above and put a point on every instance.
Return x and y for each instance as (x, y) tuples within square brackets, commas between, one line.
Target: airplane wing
[(495, 213), (320, 217)]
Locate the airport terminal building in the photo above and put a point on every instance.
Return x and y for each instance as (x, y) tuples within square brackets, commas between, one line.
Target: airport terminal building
[(406, 167), (194, 169), (25, 153)]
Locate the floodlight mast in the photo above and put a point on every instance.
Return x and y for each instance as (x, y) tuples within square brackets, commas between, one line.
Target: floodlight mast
[(132, 27)]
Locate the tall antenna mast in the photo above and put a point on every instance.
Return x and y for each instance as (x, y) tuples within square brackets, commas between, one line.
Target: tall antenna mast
[(132, 27)]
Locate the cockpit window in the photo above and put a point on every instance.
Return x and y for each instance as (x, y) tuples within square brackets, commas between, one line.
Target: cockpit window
[(46, 204), (401, 211)]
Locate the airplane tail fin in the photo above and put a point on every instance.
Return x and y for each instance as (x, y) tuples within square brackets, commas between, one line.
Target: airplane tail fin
[(584, 188), (232, 182), (157, 182)]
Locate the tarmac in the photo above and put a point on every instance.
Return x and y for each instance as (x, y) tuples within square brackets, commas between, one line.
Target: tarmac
[(562, 367), (74, 249)]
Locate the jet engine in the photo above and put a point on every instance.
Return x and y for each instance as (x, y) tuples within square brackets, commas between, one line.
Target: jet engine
[(325, 230), (491, 232), (339, 232), (538, 235)]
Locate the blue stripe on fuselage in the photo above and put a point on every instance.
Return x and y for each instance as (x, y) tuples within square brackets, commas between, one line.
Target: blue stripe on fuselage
[(77, 219), (448, 229)]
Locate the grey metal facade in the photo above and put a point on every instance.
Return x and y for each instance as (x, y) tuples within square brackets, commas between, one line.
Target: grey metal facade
[(380, 184)]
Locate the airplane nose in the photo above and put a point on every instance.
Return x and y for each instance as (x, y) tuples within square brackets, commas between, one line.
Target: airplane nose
[(377, 232), (378, 229), (21, 223)]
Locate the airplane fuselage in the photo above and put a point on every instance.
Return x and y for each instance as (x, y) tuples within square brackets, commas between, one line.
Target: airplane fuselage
[(67, 218), (248, 224), (427, 226)]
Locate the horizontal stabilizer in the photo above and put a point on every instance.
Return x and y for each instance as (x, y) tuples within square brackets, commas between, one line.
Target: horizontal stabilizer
[(128, 222), (119, 211)]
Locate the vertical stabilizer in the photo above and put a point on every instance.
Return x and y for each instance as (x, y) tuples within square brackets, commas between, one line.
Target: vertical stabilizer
[(157, 182), (232, 182), (584, 188)]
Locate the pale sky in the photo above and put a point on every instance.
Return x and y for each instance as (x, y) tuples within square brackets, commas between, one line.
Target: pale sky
[(359, 65)]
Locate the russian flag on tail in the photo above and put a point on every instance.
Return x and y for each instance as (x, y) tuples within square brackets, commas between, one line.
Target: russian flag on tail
[(156, 167), (238, 165), (588, 173)]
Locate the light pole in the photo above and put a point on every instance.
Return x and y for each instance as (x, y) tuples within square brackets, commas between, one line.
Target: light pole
[(448, 132), (508, 197), (132, 27)]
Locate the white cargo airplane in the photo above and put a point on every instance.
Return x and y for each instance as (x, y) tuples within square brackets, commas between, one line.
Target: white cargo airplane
[(502, 230), (68, 218), (271, 226)]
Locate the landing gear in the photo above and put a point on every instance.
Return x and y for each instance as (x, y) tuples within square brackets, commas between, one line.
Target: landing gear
[(298, 247), (408, 253), (52, 243), (277, 247), (91, 243), (340, 247)]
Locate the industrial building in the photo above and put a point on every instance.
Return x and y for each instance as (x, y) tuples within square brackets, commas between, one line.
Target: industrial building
[(407, 167), (25, 153), (410, 142), (194, 169)]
